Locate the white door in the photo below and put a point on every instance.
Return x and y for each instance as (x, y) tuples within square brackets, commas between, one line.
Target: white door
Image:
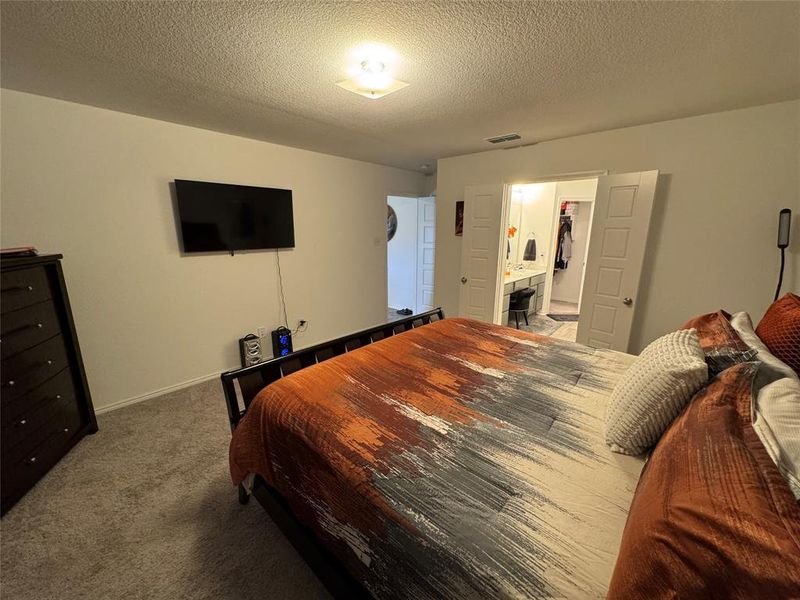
[(426, 245), (480, 251), (620, 225)]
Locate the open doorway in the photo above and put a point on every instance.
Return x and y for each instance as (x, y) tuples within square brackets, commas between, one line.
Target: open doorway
[(502, 253), (411, 232), (547, 245)]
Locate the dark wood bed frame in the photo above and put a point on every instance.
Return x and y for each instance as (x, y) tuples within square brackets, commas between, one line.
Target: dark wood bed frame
[(242, 385)]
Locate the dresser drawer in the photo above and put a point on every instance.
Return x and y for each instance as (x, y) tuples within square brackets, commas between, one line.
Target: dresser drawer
[(521, 284), (539, 290), (536, 279), (26, 370), (21, 474), (27, 327), (48, 406), (508, 288), (22, 287), (58, 387), (53, 418)]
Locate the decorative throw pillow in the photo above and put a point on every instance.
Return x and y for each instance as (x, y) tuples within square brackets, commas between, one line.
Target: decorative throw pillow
[(779, 329), (721, 344), (654, 390), (775, 406), (711, 516), (743, 326)]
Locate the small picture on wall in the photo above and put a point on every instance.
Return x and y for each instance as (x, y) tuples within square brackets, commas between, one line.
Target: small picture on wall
[(460, 217)]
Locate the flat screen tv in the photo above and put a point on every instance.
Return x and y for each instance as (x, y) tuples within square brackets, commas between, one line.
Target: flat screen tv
[(222, 217)]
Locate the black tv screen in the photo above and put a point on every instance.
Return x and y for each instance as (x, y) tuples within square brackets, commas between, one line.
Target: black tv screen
[(219, 216)]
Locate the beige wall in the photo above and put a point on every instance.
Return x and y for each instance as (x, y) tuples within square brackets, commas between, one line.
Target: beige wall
[(712, 244), (94, 185), (429, 185)]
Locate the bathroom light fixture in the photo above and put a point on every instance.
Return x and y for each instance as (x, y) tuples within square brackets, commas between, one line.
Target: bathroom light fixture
[(371, 68)]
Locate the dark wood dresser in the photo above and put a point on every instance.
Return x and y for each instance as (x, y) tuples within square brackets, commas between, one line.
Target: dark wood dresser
[(45, 401)]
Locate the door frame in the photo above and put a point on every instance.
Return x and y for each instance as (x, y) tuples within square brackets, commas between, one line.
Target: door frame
[(551, 261), (499, 285), (419, 256), (416, 248)]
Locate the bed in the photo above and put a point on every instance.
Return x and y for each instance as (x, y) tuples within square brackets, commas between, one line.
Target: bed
[(433, 457)]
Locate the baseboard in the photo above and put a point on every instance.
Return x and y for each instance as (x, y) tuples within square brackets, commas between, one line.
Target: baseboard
[(565, 300), (159, 392)]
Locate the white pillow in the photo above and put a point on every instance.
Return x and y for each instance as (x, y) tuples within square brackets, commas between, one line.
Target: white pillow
[(654, 390), (776, 405)]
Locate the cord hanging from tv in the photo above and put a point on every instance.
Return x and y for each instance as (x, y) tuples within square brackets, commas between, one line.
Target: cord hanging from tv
[(220, 217)]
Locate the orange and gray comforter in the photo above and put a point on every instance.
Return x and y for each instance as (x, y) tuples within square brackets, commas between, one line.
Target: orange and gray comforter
[(456, 460)]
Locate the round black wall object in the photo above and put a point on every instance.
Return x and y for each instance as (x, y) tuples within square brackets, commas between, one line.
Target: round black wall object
[(391, 223)]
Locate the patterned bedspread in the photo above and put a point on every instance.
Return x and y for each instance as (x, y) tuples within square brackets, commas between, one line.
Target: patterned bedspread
[(456, 460)]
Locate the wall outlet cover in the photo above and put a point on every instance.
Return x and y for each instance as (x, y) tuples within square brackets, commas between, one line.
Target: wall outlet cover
[(261, 331)]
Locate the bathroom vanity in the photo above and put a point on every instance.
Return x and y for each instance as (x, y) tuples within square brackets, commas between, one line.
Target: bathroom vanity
[(518, 279)]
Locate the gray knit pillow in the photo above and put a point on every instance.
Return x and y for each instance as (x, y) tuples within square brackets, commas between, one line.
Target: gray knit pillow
[(654, 390)]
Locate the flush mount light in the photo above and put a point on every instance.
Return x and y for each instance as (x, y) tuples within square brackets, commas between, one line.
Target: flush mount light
[(371, 68)]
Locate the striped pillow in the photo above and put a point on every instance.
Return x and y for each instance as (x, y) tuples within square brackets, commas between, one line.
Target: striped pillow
[(721, 344), (654, 390)]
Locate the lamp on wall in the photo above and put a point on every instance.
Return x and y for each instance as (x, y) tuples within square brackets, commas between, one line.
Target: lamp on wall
[(784, 221)]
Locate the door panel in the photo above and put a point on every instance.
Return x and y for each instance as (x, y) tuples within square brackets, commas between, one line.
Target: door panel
[(480, 251), (614, 264), (426, 249)]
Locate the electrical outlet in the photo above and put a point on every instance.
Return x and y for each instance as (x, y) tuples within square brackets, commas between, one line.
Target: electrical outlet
[(261, 331)]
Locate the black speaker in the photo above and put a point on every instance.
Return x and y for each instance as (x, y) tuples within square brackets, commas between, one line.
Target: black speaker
[(281, 342)]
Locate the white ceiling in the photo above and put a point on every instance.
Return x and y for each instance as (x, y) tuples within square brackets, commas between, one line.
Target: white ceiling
[(268, 70)]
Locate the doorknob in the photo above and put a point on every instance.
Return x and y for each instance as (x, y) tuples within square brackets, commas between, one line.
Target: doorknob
[(627, 301), (463, 280)]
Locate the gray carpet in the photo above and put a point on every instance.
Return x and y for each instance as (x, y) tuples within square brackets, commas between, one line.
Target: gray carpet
[(145, 509)]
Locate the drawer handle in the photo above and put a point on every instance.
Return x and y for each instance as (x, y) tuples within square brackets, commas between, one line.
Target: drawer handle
[(12, 383), (25, 328), (31, 460), (66, 429), (22, 422), (19, 288), (58, 396)]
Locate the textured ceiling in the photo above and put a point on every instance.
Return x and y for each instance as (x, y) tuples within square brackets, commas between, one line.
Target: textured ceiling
[(267, 70)]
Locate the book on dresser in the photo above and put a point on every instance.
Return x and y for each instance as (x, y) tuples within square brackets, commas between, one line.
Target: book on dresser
[(45, 403)]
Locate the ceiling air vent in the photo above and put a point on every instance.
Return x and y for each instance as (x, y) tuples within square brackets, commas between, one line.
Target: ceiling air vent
[(508, 137)]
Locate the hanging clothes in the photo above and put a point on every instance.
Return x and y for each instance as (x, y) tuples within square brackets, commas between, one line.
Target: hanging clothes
[(564, 244)]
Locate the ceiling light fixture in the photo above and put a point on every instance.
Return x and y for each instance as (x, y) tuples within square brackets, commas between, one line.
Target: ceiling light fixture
[(371, 68)]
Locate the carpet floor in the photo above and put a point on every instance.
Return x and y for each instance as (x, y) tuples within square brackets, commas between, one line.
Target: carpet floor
[(145, 509)]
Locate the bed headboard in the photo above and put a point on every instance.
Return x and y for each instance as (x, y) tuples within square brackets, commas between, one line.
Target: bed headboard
[(242, 385)]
